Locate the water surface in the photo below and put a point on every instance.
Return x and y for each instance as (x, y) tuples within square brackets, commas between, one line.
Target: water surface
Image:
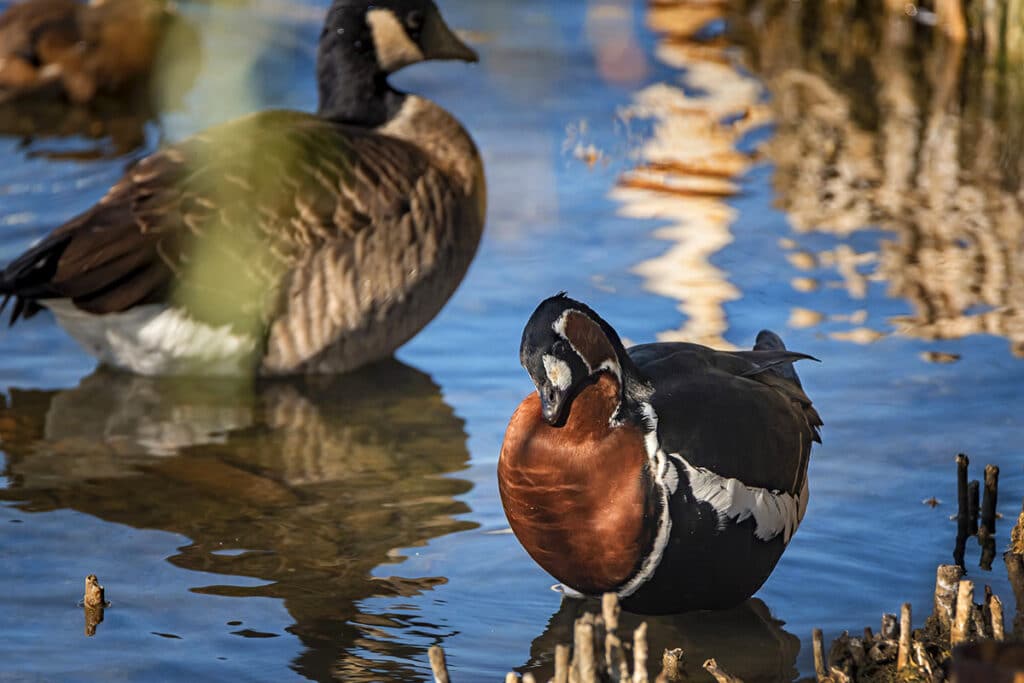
[(698, 186)]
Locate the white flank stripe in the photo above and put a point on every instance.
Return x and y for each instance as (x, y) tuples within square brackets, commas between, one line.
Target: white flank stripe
[(774, 512)]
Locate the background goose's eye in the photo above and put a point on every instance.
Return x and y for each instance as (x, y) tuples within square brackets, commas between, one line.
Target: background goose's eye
[(414, 20)]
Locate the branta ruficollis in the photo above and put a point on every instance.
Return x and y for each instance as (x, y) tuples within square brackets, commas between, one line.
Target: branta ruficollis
[(280, 242), (78, 48), (669, 473)]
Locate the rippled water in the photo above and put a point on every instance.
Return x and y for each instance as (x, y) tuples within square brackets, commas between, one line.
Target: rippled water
[(864, 203)]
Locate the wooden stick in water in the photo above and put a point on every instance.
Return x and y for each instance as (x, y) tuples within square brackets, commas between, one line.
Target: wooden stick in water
[(722, 676), (995, 608), (962, 617), (640, 654), (437, 664), (818, 643), (670, 661), (889, 626), (903, 654), (947, 579), (614, 658), (583, 652), (561, 664)]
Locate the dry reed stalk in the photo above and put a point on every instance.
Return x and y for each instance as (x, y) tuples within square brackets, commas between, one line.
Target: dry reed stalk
[(903, 655), (640, 654), (962, 617), (819, 656)]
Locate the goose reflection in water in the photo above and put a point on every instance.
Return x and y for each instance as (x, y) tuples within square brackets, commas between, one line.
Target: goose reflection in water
[(316, 482), (745, 640)]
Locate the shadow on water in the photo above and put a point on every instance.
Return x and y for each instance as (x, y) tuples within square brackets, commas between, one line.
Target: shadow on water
[(307, 485), (883, 123), (746, 641)]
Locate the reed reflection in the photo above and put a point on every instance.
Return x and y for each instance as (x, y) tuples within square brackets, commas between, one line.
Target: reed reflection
[(745, 640), (309, 484), (690, 166), (882, 122)]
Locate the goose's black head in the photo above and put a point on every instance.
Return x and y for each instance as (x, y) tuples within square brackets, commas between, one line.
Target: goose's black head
[(363, 41), (565, 346)]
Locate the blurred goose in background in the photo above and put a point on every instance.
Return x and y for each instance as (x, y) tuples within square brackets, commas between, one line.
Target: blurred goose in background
[(78, 49), (670, 473), (281, 242)]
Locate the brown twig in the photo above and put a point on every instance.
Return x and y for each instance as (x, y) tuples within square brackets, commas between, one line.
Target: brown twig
[(670, 661)]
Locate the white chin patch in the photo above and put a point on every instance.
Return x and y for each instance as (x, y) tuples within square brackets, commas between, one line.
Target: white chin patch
[(559, 374), (393, 45)]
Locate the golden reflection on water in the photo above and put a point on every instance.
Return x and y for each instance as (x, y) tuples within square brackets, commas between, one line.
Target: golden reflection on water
[(689, 166), (313, 483), (882, 123)]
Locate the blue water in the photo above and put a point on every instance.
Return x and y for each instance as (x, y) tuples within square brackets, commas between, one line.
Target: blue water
[(335, 530)]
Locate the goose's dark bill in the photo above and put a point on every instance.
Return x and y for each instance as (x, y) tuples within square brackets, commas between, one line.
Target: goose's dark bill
[(672, 474), (282, 241)]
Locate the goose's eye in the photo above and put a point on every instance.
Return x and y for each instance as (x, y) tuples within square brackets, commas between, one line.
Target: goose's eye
[(558, 348), (414, 20)]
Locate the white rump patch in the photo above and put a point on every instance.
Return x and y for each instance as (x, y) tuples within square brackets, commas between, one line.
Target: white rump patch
[(774, 512), (156, 340), (394, 47), (558, 372)]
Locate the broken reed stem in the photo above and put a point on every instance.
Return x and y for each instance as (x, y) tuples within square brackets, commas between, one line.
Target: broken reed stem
[(670, 661), (995, 610), (722, 676), (1015, 572), (437, 664), (583, 652), (511, 677), (903, 654), (818, 643), (947, 579), (561, 664), (640, 654), (973, 498), (528, 678), (889, 626), (962, 506), (988, 506), (962, 617), (615, 660)]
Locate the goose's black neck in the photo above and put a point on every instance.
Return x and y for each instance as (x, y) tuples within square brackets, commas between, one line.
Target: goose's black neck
[(353, 89)]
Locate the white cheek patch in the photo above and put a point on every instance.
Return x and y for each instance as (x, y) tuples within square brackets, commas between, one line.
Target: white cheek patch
[(394, 47), (558, 372)]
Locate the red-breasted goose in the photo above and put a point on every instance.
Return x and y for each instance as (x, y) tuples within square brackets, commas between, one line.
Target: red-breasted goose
[(280, 242), (672, 474)]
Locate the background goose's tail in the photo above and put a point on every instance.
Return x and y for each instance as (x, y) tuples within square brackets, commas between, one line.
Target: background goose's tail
[(769, 341)]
